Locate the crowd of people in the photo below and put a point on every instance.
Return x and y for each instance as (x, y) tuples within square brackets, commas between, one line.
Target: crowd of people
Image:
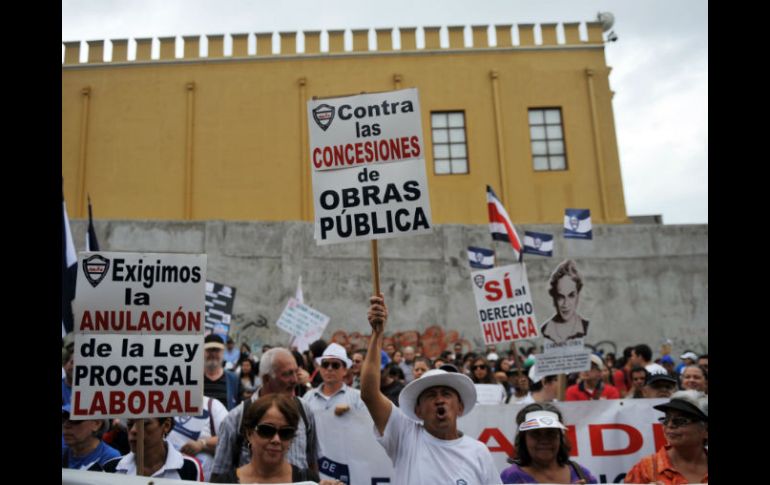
[(258, 426)]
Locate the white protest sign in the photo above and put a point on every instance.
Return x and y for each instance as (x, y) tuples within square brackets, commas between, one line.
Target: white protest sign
[(564, 358), (489, 393), (368, 160), (139, 322), (504, 304), (299, 319)]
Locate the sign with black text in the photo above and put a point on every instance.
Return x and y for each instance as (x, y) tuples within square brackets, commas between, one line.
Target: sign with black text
[(368, 163), (139, 322), (504, 304)]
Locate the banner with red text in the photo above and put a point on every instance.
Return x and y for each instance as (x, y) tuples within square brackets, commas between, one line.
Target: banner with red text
[(608, 438)]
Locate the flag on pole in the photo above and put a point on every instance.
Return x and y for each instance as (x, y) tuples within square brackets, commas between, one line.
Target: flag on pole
[(69, 260), (481, 258), (298, 296), (577, 224), (91, 243), (538, 243), (500, 224)]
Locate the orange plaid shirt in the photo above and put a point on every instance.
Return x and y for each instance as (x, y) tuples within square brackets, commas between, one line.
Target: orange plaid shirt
[(644, 471)]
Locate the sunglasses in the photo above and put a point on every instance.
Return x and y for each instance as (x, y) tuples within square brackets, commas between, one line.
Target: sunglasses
[(334, 365), (675, 422), (478, 367), (267, 431)]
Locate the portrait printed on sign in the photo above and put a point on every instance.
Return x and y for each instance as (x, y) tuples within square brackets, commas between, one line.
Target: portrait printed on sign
[(565, 286)]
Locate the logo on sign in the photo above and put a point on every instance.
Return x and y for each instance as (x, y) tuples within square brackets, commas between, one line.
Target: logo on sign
[(95, 268), (573, 221), (479, 280), (323, 116), (538, 242)]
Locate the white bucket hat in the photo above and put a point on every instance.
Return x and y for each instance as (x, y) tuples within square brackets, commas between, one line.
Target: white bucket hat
[(335, 351), (540, 420), (461, 383)]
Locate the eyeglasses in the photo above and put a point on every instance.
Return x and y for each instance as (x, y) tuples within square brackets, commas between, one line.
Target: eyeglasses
[(675, 422), (267, 431), (334, 365)]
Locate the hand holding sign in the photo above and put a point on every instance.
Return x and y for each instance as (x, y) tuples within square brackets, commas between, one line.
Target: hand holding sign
[(378, 313)]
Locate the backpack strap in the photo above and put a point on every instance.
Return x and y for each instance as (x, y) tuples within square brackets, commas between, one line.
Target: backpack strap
[(236, 457), (211, 421), (307, 429), (578, 471)]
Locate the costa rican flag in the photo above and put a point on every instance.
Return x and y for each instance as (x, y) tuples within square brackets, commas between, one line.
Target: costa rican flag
[(481, 258), (500, 224), (538, 243), (577, 224)]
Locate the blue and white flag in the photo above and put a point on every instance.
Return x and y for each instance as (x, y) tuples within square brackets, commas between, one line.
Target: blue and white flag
[(538, 243), (577, 224), (481, 258)]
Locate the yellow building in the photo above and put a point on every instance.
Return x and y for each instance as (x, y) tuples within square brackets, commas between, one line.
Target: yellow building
[(225, 136)]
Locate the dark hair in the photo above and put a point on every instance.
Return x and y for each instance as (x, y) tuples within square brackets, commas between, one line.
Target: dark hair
[(637, 368), (394, 370), (285, 404), (644, 351), (213, 338), (489, 378), (424, 360), (318, 347), (537, 386), (523, 458), (565, 268)]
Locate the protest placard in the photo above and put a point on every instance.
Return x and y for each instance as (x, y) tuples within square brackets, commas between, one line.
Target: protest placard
[(368, 164), (504, 304), (138, 335), (298, 319)]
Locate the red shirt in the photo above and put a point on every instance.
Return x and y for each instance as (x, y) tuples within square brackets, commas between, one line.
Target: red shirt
[(579, 393)]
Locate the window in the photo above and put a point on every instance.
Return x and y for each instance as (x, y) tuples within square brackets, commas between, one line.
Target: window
[(450, 152), (547, 138)]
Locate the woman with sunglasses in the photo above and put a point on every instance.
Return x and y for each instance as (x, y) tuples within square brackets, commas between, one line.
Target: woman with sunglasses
[(684, 459), (488, 390), (269, 426), (543, 449)]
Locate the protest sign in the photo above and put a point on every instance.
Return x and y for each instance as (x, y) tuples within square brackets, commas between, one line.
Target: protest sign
[(219, 308), (504, 304), (368, 164), (570, 356), (298, 319), (138, 335)]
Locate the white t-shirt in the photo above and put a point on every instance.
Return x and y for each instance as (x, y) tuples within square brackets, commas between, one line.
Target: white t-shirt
[(193, 428), (420, 458)]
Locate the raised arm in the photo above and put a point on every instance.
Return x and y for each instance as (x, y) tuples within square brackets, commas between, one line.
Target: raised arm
[(379, 406)]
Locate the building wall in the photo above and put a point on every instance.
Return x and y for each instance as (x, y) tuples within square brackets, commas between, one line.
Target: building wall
[(642, 283), (225, 137)]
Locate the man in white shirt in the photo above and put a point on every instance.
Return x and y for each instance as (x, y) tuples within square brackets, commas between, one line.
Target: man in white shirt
[(421, 436)]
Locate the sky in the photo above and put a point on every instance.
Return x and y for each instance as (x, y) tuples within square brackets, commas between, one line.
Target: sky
[(659, 65)]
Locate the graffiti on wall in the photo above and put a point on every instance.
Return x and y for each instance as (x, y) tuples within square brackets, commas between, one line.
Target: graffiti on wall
[(430, 343)]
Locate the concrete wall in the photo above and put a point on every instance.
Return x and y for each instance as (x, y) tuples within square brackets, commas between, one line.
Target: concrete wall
[(643, 283)]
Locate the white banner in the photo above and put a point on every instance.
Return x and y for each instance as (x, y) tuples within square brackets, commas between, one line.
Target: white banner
[(139, 322), (504, 304), (299, 319), (83, 477), (564, 358), (368, 161), (608, 437)]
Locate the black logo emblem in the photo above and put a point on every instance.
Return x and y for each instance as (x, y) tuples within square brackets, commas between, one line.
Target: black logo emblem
[(323, 116), (95, 268), (479, 280)]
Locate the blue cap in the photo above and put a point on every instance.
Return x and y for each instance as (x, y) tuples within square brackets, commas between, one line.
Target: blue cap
[(384, 359), (667, 359)]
